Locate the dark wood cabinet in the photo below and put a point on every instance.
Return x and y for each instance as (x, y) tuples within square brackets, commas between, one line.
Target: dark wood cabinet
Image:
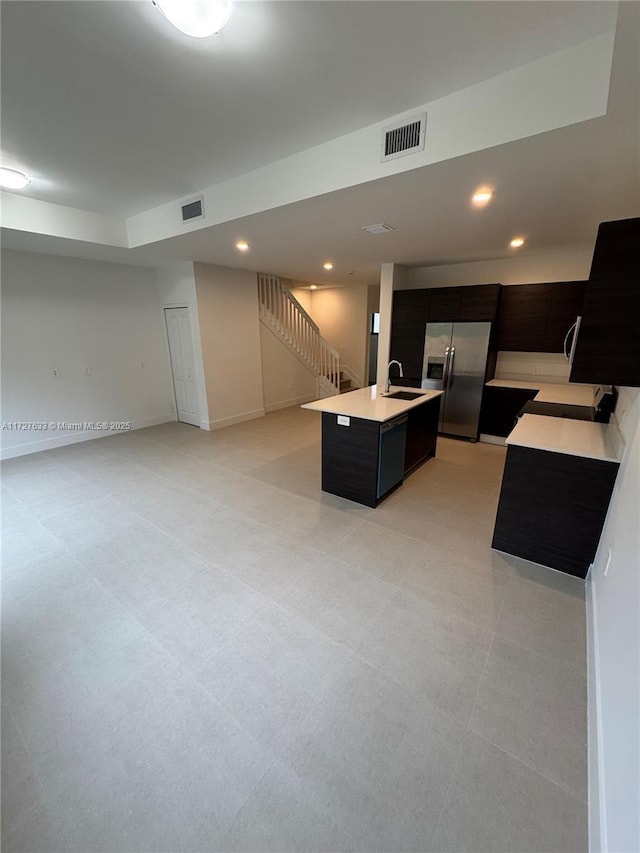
[(422, 434), (350, 459), (567, 299), (444, 304), (353, 455), (552, 508), (479, 303), (607, 349), (522, 317), (408, 323), (500, 408), (537, 317)]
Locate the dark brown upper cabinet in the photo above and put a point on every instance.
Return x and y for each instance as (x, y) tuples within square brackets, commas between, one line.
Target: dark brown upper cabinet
[(607, 349), (567, 300), (479, 303), (537, 317), (444, 305), (522, 317)]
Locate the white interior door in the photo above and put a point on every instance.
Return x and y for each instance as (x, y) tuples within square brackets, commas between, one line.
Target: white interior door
[(182, 354)]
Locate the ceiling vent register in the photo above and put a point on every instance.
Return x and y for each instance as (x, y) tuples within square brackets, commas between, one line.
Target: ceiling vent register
[(192, 209), (398, 140)]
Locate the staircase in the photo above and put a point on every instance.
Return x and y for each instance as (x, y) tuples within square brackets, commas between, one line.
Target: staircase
[(283, 314)]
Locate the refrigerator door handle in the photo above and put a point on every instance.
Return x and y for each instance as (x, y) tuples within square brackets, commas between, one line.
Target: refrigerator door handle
[(445, 375), (452, 353)]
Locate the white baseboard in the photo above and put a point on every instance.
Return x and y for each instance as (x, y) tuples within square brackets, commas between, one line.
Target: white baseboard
[(237, 419), (286, 404), (51, 442), (492, 439), (598, 842)]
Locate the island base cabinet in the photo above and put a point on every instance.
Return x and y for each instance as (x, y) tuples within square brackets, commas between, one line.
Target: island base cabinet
[(553, 507), (365, 461), (350, 459), (422, 434)]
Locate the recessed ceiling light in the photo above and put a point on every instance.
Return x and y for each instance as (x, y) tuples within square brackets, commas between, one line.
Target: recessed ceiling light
[(517, 242), (379, 228), (482, 196), (242, 246), (196, 18), (313, 287), (327, 265), (12, 179)]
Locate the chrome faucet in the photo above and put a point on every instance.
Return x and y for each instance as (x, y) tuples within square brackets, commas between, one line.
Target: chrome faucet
[(387, 386)]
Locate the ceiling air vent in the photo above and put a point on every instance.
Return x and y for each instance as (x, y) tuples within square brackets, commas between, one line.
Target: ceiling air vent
[(193, 209), (398, 140)]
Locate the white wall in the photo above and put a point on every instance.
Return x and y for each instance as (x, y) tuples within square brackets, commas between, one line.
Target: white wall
[(69, 314), (519, 269), (341, 314), (230, 339), (176, 284), (614, 655), (285, 380)]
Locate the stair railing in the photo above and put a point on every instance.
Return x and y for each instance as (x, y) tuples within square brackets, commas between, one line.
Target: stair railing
[(281, 311)]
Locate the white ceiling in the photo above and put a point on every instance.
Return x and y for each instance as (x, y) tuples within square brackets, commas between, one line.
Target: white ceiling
[(124, 114)]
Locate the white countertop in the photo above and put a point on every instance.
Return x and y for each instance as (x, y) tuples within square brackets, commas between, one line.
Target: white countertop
[(370, 403), (551, 392), (563, 435)]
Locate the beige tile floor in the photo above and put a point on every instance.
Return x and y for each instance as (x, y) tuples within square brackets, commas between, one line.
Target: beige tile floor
[(203, 652)]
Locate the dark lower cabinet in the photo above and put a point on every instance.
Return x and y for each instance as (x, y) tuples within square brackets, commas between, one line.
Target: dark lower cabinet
[(553, 507), (350, 459), (353, 463), (422, 434), (500, 408)]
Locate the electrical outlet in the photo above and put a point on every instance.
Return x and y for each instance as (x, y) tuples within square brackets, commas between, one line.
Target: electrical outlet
[(87, 370), (55, 372), (536, 370)]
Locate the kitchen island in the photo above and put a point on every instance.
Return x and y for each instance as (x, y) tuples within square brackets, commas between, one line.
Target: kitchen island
[(372, 440)]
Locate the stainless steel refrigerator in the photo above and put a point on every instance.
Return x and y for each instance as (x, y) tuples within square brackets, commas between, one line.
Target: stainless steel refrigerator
[(455, 361)]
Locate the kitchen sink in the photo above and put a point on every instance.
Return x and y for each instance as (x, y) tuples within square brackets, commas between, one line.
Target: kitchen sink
[(403, 395)]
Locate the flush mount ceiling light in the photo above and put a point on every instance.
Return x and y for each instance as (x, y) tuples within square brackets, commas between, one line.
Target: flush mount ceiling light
[(327, 265), (196, 18), (242, 246), (379, 228), (12, 179), (313, 287), (517, 242), (482, 196)]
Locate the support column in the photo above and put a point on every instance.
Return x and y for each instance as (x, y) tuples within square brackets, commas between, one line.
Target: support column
[(392, 277)]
